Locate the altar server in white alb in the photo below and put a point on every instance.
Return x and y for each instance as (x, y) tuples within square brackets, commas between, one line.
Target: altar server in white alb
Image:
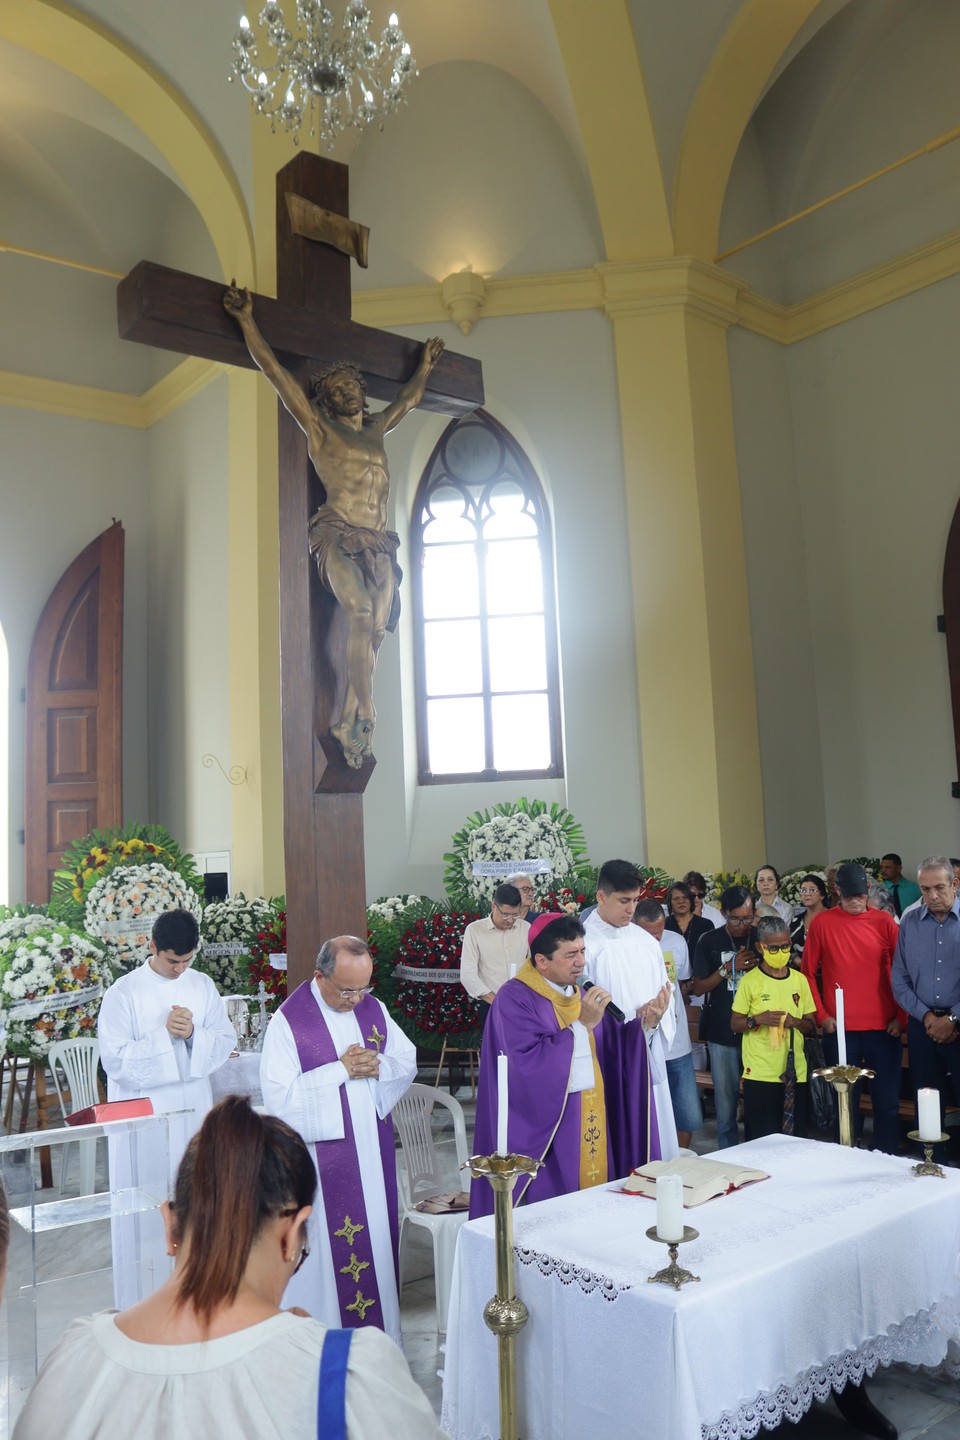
[(625, 960), (162, 1030), (334, 1065)]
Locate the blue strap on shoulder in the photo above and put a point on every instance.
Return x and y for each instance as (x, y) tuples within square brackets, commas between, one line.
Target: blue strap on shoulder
[(332, 1394)]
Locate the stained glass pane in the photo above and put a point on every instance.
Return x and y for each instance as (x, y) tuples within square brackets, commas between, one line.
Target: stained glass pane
[(521, 732), (514, 577), (450, 581), (452, 654), (518, 658), (455, 736)]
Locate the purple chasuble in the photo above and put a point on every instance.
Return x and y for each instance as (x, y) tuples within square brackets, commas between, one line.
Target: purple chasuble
[(544, 1119), (343, 1199), (632, 1134)]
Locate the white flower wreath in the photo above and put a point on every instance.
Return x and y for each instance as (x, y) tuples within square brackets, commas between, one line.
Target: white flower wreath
[(52, 980), (229, 929), (122, 907)]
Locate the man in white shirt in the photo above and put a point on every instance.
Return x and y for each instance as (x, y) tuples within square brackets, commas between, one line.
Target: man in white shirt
[(628, 962), (334, 1065), (681, 1076), (162, 1030), (494, 948)]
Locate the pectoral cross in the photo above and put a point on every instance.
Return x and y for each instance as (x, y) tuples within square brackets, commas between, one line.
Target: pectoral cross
[(375, 1038)]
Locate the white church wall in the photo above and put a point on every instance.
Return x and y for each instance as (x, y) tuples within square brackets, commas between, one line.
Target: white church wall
[(783, 647), (473, 172), (188, 681), (550, 379), (62, 483), (878, 435)]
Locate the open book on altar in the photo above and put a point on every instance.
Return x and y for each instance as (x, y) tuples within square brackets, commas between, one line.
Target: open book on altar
[(702, 1179)]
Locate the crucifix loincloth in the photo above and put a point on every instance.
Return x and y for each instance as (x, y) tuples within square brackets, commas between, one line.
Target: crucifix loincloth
[(329, 531)]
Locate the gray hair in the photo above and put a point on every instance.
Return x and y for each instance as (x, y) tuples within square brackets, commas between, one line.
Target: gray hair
[(935, 862), (769, 926), (878, 896), (330, 949), (520, 875)]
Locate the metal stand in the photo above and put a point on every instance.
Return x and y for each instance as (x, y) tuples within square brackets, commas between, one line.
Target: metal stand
[(505, 1314), (927, 1166), (673, 1274), (843, 1078)]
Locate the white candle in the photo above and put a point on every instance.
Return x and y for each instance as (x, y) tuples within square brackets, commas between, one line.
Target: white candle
[(502, 1103), (928, 1114), (841, 1032), (670, 1207)]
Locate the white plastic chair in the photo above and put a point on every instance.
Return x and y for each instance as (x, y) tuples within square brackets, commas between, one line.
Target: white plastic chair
[(424, 1178), (78, 1059)]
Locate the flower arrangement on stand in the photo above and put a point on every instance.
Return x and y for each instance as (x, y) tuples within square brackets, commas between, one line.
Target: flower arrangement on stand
[(515, 831), (271, 940), (431, 1011), (721, 880), (122, 906), (388, 920), (101, 852), (230, 928), (51, 981)]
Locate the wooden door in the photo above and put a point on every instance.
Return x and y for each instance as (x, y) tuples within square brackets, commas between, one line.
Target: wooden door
[(74, 711)]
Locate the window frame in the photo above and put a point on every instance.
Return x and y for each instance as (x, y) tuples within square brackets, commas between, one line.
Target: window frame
[(437, 473)]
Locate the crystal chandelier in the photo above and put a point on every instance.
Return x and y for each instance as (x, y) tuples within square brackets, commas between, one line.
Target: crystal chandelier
[(334, 80)]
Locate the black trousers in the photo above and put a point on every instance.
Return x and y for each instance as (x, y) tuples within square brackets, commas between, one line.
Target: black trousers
[(763, 1109), (933, 1066)]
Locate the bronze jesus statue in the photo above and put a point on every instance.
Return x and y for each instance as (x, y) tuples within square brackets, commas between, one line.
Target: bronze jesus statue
[(348, 535)]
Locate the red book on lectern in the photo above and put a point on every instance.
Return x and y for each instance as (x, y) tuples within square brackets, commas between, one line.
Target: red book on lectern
[(112, 1110)]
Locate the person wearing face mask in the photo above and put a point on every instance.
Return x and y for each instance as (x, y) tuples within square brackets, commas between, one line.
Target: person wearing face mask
[(211, 1353), (772, 1006)]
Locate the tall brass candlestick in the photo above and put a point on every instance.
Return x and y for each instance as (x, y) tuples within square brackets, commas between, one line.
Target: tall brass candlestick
[(843, 1078), (505, 1314)]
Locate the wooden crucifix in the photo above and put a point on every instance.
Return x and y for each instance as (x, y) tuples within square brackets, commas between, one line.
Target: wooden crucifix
[(309, 328)]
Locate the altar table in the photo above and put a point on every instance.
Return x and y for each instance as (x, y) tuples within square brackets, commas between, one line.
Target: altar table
[(842, 1261)]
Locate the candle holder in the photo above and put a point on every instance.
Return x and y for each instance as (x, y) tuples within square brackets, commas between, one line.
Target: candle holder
[(506, 1313), (673, 1274), (843, 1078), (927, 1166)]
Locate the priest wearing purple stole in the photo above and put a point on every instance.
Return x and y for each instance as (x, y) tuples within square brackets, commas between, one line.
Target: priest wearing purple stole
[(554, 1039), (334, 1065)]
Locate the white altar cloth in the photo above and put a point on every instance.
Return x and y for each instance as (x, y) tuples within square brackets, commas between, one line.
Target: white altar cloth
[(239, 1075), (840, 1262)]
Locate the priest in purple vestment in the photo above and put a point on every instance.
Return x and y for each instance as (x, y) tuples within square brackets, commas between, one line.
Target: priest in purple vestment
[(334, 1065), (554, 1039)]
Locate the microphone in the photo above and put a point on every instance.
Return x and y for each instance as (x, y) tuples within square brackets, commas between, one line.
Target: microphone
[(611, 1009)]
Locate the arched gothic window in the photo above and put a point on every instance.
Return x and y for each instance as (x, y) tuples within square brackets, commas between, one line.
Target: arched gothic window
[(486, 643)]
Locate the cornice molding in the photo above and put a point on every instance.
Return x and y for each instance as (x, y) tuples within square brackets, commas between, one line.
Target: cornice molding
[(618, 290), (110, 407)]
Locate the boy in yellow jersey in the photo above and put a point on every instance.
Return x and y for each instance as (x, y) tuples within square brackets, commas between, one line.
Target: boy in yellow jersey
[(774, 1011)]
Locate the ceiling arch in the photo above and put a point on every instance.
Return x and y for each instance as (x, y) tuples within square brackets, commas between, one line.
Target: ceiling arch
[(745, 60), (88, 50)]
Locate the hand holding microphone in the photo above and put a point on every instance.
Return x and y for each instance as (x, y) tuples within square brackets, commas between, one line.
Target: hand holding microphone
[(593, 1007)]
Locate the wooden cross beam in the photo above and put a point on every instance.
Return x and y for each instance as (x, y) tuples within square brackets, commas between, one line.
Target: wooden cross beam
[(309, 327)]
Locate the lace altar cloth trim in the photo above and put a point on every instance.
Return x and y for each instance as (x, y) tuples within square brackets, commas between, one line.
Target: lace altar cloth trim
[(768, 1410), (569, 1274)]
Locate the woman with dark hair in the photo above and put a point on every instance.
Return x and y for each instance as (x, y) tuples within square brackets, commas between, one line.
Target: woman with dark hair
[(813, 898), (682, 917), (766, 889), (211, 1353)]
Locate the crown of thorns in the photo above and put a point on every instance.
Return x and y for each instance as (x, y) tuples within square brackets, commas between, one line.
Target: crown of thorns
[(344, 367)]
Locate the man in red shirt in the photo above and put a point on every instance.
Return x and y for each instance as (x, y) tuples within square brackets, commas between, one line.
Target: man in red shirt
[(853, 947)]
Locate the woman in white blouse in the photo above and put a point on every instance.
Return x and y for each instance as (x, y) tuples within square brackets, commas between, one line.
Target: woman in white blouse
[(211, 1353), (766, 884)]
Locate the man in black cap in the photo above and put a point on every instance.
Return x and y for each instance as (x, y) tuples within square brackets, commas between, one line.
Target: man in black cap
[(852, 948)]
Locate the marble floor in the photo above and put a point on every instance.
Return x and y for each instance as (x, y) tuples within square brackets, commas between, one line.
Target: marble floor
[(918, 1404)]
